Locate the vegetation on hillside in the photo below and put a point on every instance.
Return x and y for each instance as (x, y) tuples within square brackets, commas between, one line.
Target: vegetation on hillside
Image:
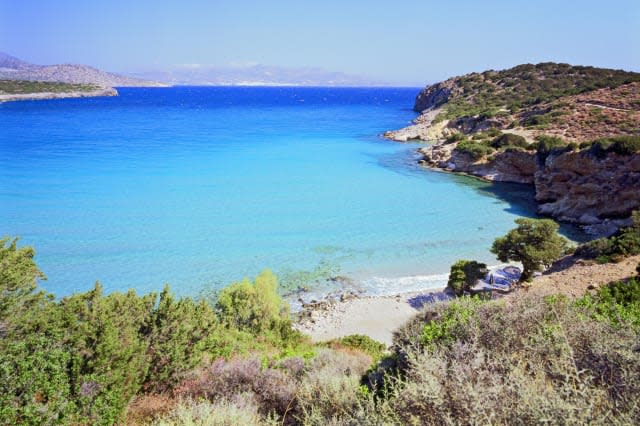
[(625, 242), (80, 360), (92, 358), (494, 93), (19, 87)]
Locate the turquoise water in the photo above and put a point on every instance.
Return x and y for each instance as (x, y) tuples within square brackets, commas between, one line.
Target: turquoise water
[(199, 187)]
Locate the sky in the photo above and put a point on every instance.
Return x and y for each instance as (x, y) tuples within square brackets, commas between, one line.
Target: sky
[(396, 41)]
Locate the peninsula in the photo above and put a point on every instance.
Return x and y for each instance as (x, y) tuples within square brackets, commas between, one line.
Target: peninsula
[(573, 132), (20, 80)]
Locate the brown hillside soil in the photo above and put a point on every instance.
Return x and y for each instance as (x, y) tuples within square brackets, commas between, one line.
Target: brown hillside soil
[(574, 277), (595, 114)]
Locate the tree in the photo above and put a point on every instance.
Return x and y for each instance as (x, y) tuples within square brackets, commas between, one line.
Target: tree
[(464, 274), (19, 277), (534, 242)]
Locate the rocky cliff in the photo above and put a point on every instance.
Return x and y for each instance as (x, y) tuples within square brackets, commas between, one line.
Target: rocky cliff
[(574, 186), (525, 125)]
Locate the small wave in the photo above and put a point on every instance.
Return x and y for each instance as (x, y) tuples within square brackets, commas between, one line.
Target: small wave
[(383, 286)]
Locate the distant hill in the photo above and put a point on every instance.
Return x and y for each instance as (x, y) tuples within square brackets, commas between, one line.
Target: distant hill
[(255, 75), (12, 68)]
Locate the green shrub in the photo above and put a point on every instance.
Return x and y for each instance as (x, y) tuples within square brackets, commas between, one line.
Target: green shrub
[(82, 359), (362, 343), (521, 362), (464, 274), (546, 144), (19, 277), (617, 303), (624, 243), (452, 324), (455, 137), (509, 140), (476, 150), (621, 145)]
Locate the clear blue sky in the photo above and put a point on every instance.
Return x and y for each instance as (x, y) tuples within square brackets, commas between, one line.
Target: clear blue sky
[(398, 41)]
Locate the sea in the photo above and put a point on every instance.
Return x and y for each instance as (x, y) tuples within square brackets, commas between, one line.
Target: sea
[(199, 187)]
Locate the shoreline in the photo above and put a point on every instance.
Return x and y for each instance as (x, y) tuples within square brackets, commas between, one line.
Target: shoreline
[(376, 316), (109, 91), (380, 316)]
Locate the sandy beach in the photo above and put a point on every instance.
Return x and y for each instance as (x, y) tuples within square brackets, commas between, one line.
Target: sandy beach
[(378, 316), (374, 316)]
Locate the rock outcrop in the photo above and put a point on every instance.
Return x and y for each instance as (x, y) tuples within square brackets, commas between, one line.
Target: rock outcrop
[(436, 95), (584, 188), (574, 104), (507, 166), (572, 186), (423, 129)]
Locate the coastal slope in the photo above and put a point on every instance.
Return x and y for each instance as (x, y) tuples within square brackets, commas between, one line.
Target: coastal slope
[(570, 131)]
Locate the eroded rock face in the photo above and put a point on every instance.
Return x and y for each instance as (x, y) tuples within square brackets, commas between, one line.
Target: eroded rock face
[(580, 187), (436, 95), (508, 166), (575, 186)]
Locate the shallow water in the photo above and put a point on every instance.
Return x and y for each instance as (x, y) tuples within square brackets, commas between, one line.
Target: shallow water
[(199, 187)]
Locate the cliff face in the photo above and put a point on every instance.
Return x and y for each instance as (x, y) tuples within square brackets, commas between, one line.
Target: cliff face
[(436, 95), (507, 166), (581, 187), (575, 186), (496, 122)]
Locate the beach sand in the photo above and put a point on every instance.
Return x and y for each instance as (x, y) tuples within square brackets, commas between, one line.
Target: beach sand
[(374, 316), (379, 316)]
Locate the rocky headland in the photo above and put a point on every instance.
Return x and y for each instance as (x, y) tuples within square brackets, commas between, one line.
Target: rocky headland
[(571, 132), (20, 80)]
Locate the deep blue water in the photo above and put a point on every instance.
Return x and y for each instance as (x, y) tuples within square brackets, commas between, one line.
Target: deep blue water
[(198, 187)]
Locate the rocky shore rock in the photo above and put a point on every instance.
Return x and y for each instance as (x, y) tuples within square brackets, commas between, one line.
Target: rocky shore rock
[(584, 188), (575, 186), (508, 166), (423, 129)]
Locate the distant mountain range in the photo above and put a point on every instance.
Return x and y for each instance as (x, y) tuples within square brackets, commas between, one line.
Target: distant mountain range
[(12, 68), (254, 75)]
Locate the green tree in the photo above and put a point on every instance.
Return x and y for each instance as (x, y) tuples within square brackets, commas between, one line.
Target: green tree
[(534, 242), (179, 332), (253, 307), (19, 277), (464, 274)]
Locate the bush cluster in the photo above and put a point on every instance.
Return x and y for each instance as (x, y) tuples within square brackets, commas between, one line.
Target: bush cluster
[(488, 93), (464, 274), (625, 242), (621, 145), (525, 362), (507, 140), (83, 358), (475, 150)]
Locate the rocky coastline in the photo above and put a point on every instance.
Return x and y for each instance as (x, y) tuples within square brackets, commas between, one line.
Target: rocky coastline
[(108, 91), (595, 188)]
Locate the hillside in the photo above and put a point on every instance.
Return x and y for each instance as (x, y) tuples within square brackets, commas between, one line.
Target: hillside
[(533, 99), (571, 131), (12, 68)]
